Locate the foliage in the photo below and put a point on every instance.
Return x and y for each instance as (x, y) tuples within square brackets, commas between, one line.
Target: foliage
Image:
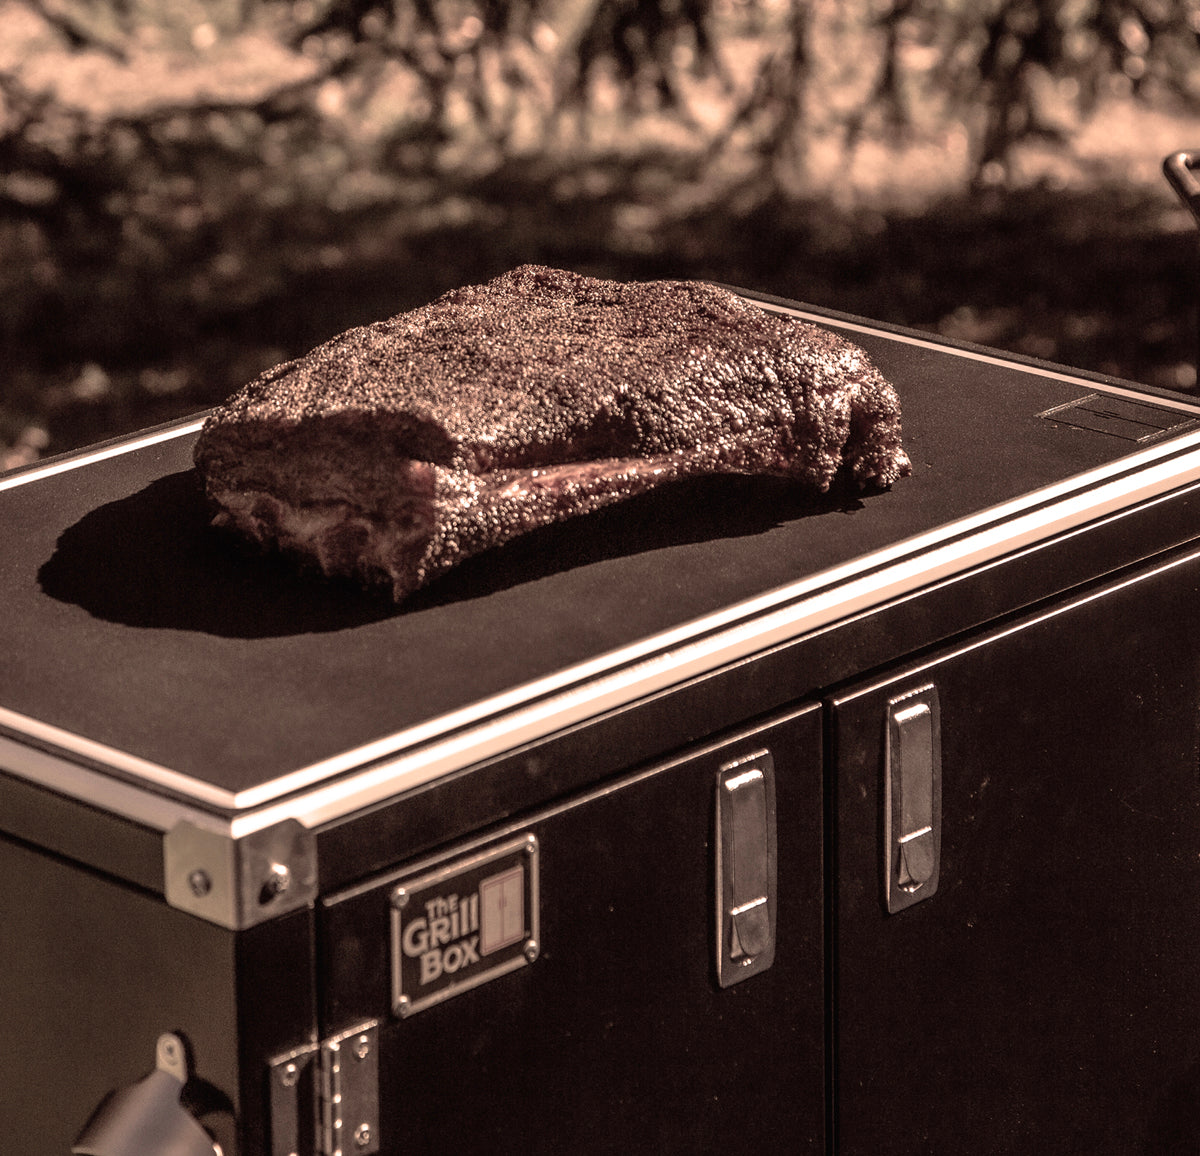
[(169, 169)]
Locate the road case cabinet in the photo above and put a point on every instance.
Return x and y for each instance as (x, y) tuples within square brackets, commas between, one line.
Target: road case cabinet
[(598, 1039), (725, 820)]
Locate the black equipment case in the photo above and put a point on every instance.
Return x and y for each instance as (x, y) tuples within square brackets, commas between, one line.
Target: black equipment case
[(727, 820)]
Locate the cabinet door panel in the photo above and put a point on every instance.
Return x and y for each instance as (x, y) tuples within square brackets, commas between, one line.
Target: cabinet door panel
[(619, 1037), (1044, 997)]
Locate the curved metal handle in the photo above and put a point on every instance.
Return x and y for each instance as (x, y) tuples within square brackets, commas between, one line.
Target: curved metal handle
[(1179, 168), (146, 1118)]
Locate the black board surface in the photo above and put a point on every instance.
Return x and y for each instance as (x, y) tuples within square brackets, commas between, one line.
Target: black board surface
[(127, 620)]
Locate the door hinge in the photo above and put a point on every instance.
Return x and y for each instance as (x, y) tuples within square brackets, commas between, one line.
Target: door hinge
[(325, 1097)]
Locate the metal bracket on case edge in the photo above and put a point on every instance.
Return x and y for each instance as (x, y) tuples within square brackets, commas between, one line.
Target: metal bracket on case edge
[(238, 883)]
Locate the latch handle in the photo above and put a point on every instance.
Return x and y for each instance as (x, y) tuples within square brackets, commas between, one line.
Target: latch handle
[(746, 867), (147, 1119), (1179, 168), (913, 798)]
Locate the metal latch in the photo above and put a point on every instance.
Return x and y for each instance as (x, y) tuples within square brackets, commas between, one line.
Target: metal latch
[(325, 1097), (912, 798), (745, 867), (147, 1117)]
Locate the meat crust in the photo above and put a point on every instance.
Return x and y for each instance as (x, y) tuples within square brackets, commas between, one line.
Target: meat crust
[(398, 449)]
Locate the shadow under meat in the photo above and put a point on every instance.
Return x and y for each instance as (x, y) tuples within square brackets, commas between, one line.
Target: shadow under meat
[(153, 560)]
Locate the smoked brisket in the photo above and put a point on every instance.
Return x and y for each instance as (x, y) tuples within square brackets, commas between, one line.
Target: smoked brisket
[(398, 449)]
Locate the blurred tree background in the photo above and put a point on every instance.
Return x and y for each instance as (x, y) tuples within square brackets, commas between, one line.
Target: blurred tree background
[(192, 190)]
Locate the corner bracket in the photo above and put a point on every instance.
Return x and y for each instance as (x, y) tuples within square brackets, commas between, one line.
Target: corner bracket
[(239, 883)]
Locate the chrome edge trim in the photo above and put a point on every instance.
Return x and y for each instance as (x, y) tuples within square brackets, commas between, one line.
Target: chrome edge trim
[(85, 457), (997, 358), (95, 788)]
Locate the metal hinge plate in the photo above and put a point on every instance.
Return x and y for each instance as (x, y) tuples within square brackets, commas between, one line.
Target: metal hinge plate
[(350, 1091), (325, 1097)]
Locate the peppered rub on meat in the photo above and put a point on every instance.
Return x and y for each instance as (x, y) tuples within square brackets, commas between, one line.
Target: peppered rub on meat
[(396, 450)]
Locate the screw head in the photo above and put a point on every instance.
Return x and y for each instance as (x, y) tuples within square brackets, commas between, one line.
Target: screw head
[(362, 1047), (290, 1077), (532, 949), (276, 883), (200, 882), (362, 1135)]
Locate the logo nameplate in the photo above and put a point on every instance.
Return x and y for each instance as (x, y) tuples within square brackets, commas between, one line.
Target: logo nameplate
[(469, 921)]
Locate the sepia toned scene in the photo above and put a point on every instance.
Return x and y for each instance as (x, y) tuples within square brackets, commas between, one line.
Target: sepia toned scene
[(193, 191), (598, 711)]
